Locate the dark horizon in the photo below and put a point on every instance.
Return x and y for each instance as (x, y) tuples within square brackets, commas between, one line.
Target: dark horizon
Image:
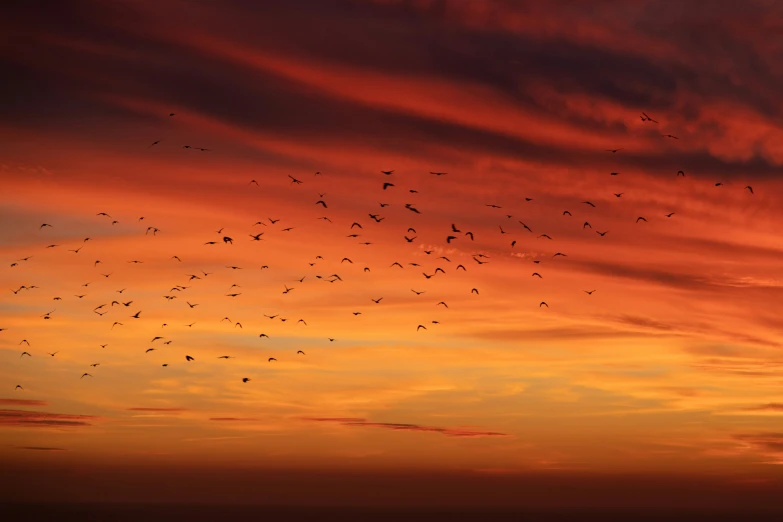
[(119, 512), (414, 489)]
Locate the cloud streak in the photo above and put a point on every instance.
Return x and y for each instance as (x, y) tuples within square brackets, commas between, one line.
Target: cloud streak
[(449, 432), (36, 419)]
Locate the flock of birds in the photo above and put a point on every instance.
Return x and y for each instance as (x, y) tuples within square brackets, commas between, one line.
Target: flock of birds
[(410, 235)]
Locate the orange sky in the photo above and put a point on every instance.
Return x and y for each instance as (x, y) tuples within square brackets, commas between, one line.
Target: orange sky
[(670, 368)]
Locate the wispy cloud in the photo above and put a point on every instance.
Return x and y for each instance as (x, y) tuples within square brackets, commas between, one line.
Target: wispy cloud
[(23, 402), (40, 448), (166, 410), (772, 406), (450, 432), (36, 419), (231, 419)]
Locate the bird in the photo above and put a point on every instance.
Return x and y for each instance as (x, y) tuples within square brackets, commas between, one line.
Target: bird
[(18, 387), (588, 203), (420, 327), (474, 291), (387, 185), (613, 150), (640, 218), (749, 188), (271, 359), (25, 353), (644, 117), (670, 136), (300, 352), (245, 379), (588, 292), (189, 358), (670, 214), (85, 375), (543, 303), (52, 354)]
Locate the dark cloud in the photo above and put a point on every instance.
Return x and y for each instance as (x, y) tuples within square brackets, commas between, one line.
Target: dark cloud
[(653, 274), (644, 322), (40, 448), (772, 406), (124, 49), (772, 442), (560, 333), (333, 419), (158, 409), (37, 419), (450, 432)]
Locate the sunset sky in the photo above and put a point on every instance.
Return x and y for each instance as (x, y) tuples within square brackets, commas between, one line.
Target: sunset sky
[(672, 367)]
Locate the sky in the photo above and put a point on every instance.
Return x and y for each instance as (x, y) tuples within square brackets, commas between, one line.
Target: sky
[(654, 360)]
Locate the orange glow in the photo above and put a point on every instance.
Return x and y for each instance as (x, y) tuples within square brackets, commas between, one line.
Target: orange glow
[(657, 352)]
